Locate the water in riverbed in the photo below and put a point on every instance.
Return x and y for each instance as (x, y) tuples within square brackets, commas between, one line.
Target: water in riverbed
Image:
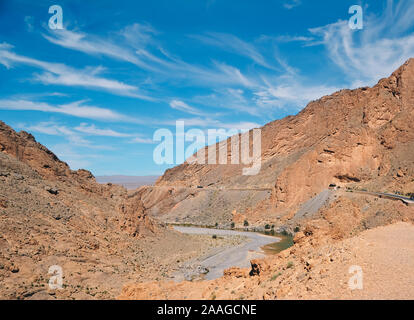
[(239, 256)]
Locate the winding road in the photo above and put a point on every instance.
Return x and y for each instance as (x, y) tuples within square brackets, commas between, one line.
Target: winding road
[(238, 256), (406, 200)]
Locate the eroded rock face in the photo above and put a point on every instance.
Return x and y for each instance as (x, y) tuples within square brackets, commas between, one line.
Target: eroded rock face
[(135, 221), (23, 147), (51, 215), (362, 137)]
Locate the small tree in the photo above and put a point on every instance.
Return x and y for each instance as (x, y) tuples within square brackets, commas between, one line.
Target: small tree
[(232, 225), (246, 223)]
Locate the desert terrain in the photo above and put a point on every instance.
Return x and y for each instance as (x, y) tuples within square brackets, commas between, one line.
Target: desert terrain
[(321, 175)]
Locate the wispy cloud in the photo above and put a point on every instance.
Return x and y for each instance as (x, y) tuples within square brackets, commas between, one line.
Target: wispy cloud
[(139, 35), (76, 135), (60, 74), (142, 140), (288, 38), (376, 51), (283, 94), (76, 109), (290, 4), (54, 129), (94, 45), (161, 63), (91, 129), (184, 107), (29, 21), (231, 43), (94, 131), (214, 124)]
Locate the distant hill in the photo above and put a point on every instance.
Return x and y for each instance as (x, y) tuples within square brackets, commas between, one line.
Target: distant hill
[(129, 182)]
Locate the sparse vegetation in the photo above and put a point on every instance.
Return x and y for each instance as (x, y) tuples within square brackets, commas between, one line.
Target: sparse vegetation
[(289, 265), (275, 276)]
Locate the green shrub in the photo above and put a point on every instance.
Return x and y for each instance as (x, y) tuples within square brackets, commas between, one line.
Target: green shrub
[(275, 276)]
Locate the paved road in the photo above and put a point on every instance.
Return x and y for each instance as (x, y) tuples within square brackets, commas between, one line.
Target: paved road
[(253, 188), (390, 195), (238, 256)]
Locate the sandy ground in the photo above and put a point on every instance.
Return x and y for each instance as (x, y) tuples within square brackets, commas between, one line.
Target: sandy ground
[(234, 256), (386, 258), (384, 254)]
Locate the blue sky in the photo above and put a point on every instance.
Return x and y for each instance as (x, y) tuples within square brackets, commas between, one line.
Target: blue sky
[(96, 91)]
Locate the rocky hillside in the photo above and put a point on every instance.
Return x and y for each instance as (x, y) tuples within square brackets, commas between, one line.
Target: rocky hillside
[(357, 139), (361, 138), (98, 234)]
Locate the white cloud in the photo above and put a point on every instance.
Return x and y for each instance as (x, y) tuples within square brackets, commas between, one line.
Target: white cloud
[(139, 35), (162, 64), (94, 45), (376, 51), (60, 74), (142, 140), (76, 109), (290, 94), (229, 99), (290, 4), (184, 107), (48, 128), (29, 21), (93, 130), (234, 44), (288, 38), (51, 128), (214, 124)]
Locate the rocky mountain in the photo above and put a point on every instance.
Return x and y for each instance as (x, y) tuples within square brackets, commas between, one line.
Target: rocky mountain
[(99, 235), (103, 236), (357, 140), (361, 138)]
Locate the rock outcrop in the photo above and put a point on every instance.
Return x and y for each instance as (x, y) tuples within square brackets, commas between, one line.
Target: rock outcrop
[(51, 215), (353, 138)]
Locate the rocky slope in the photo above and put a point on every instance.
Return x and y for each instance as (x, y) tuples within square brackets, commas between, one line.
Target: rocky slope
[(98, 234), (378, 239), (356, 138)]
